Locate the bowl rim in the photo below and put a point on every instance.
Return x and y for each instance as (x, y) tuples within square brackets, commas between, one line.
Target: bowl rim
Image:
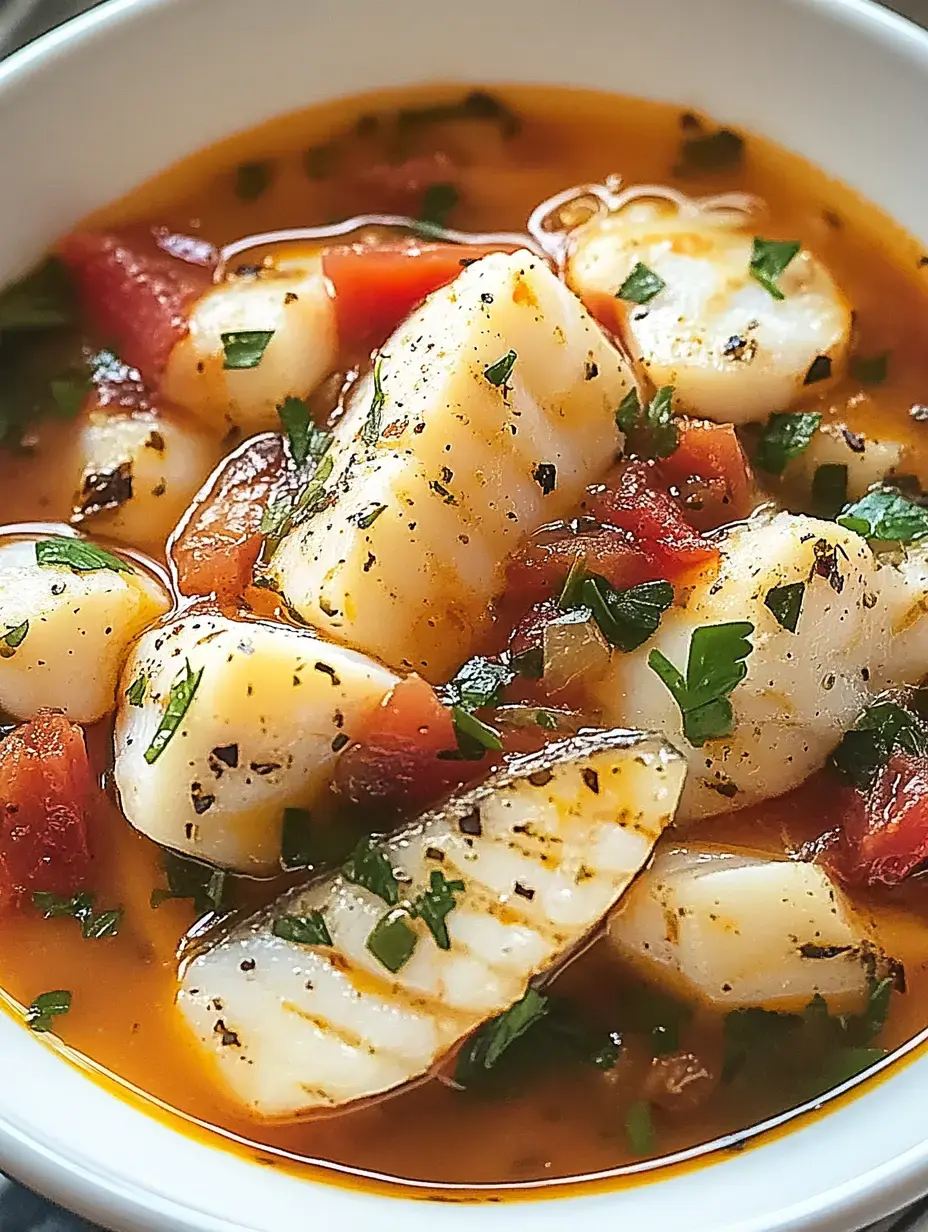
[(90, 1188)]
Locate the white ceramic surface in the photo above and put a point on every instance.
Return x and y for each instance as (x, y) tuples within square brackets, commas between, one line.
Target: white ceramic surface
[(108, 100)]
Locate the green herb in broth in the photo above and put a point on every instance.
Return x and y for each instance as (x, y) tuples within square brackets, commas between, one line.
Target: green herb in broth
[(187, 878), (880, 731), (94, 924), (46, 1007), (829, 490), (474, 737), (650, 431), (715, 667), (785, 436)]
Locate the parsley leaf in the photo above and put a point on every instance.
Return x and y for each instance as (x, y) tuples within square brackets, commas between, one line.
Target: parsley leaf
[(299, 427), (371, 429), (252, 180), (47, 1006), (42, 300), (244, 348), (179, 698), (886, 515), (188, 878), (652, 430), (308, 929), (367, 519), (660, 1017), (11, 641), (786, 603), (488, 1044), (434, 904), (639, 1128), (474, 737), (880, 730), (641, 285), (135, 694), (626, 618), (78, 555), (829, 489), (714, 668), (498, 373), (369, 867), (480, 682), (570, 591), (769, 258), (392, 940), (315, 844), (785, 436), (80, 907)]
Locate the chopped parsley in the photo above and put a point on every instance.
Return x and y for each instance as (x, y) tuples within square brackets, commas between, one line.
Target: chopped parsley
[(46, 1007), (887, 515), (651, 430), (570, 591), (870, 370), (438, 201), (369, 867), (11, 641), (392, 940), (488, 1044), (879, 731), (498, 373), (306, 440), (244, 348), (310, 929), (786, 604), (769, 258), (721, 150), (94, 925), (480, 682), (42, 300), (433, 905), (179, 698), (367, 519), (305, 843), (829, 489), (639, 1128), (474, 737), (135, 694), (252, 180), (656, 1015), (370, 432), (715, 666), (78, 555), (786, 435), (641, 285), (626, 618), (188, 878), (477, 105)]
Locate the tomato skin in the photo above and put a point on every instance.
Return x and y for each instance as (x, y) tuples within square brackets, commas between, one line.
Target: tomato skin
[(711, 472), (377, 286), (395, 762), (136, 288), (883, 835), (218, 546), (46, 789)]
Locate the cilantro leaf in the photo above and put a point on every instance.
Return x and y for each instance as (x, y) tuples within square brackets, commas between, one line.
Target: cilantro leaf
[(769, 258), (785, 602), (715, 667), (300, 429), (829, 489), (785, 436), (641, 285), (188, 878), (474, 737), (42, 300), (135, 694), (885, 514), (80, 907), (721, 150)]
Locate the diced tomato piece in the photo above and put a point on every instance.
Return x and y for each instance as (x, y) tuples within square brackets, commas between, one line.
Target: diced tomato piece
[(395, 761), (216, 550), (883, 831), (710, 471), (539, 569), (136, 288), (378, 286), (46, 789)]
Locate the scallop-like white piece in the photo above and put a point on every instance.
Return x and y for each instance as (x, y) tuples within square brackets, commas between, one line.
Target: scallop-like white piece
[(803, 689), (867, 459), (64, 635), (494, 407), (139, 472), (905, 590), (733, 929), (290, 300), (731, 350), (272, 708)]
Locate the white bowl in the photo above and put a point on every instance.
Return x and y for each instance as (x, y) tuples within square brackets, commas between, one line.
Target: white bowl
[(103, 103)]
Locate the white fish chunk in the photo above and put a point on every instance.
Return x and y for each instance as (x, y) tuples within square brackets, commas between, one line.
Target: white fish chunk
[(544, 850), (64, 634), (733, 352), (272, 709), (732, 929), (868, 459), (445, 461)]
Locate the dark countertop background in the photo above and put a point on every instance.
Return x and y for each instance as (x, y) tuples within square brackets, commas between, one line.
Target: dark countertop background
[(21, 1210)]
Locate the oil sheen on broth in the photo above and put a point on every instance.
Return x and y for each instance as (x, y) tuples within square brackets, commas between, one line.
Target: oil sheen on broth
[(619, 1069)]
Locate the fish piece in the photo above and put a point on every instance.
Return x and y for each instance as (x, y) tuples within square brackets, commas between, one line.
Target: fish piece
[(540, 854), (487, 414), (271, 709)]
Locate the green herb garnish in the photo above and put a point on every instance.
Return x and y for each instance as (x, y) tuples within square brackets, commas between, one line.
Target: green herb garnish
[(79, 555), (498, 373), (714, 668), (11, 641), (769, 258), (488, 1044), (367, 519), (480, 682), (68, 393), (641, 285), (369, 867), (370, 432), (880, 730), (785, 436), (660, 1017), (301, 431), (886, 515), (305, 843), (392, 940), (94, 925), (179, 698), (244, 348), (252, 180), (719, 151), (786, 603), (189, 878), (639, 1128), (42, 300), (310, 929), (433, 905), (474, 737), (829, 489), (570, 591), (135, 694), (626, 618), (45, 1007), (651, 431)]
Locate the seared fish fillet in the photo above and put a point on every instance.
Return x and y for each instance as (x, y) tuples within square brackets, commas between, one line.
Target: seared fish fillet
[(540, 854)]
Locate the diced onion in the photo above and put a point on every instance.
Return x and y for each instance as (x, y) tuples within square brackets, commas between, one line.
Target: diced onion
[(573, 648)]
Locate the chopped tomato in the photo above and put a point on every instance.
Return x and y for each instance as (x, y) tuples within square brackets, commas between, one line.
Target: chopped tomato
[(136, 288), (216, 550), (396, 761), (376, 287), (711, 473), (45, 792), (883, 834), (539, 569)]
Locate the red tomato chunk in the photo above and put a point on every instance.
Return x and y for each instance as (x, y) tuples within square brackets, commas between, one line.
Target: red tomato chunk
[(884, 831)]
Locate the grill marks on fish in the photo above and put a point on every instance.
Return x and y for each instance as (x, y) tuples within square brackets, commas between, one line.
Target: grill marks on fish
[(323, 1026)]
